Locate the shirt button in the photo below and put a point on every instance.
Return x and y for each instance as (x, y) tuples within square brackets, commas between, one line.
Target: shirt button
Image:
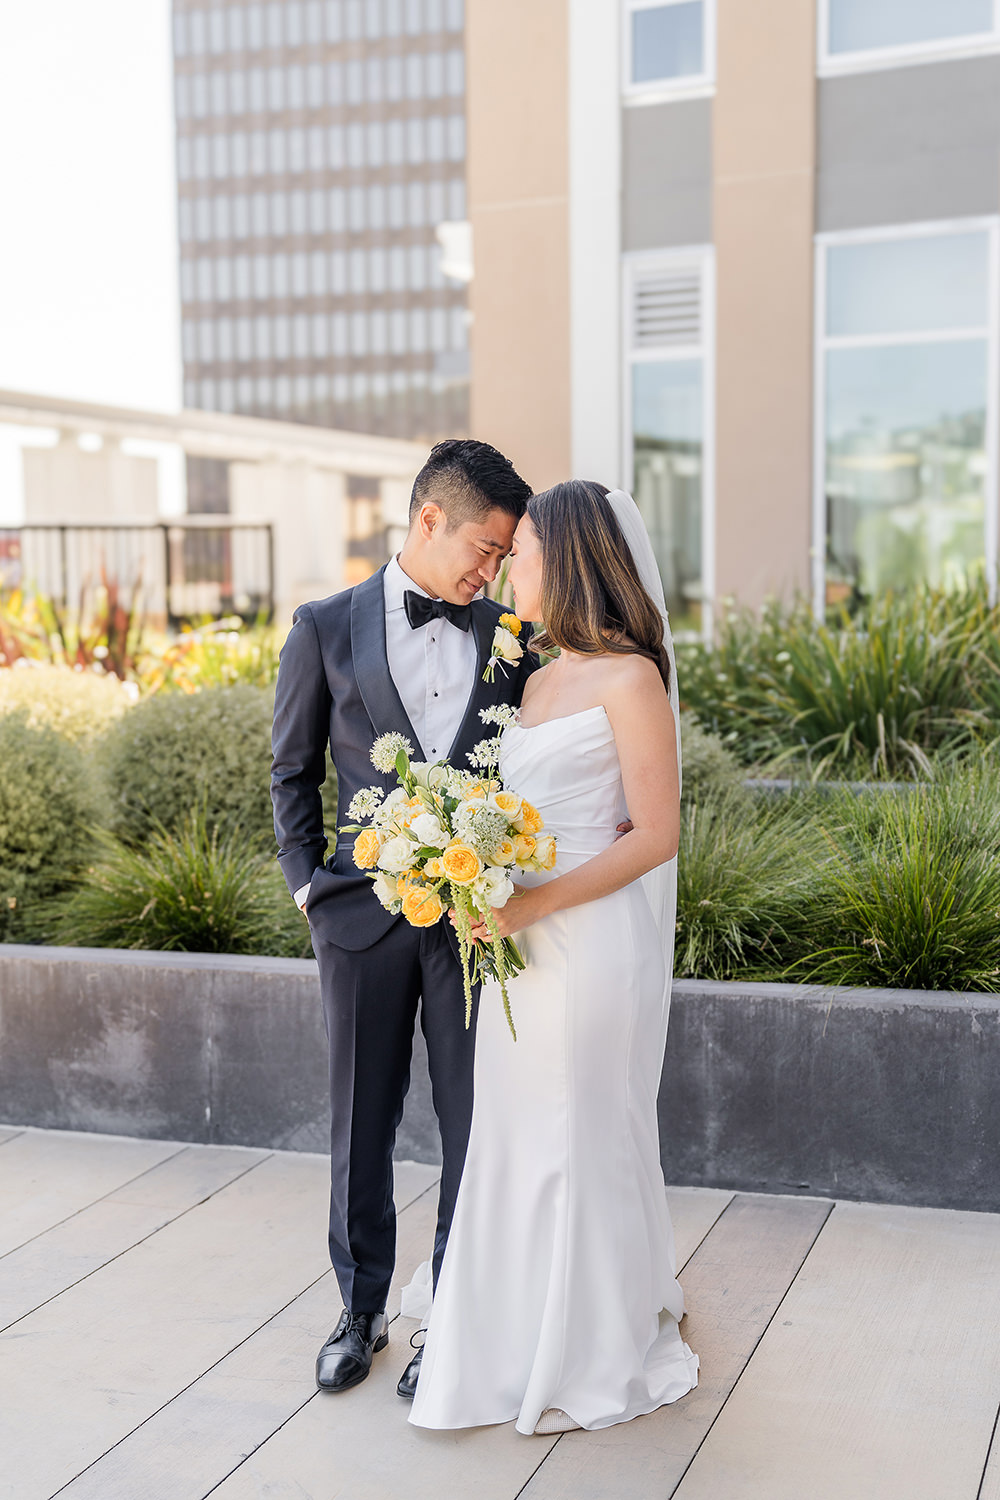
[(435, 695)]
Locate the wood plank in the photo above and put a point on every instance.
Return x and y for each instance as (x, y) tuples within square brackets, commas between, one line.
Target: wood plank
[(62, 1256), (732, 1285), (85, 1369), (8, 1133), (880, 1375), (205, 1433), (990, 1487), (693, 1211), (48, 1175)]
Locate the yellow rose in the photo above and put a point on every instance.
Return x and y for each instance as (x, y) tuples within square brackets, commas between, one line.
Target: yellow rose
[(474, 791), (545, 853), (434, 868), (524, 848), (504, 852), (531, 819), (511, 623), (509, 803), (421, 907), (461, 863), (366, 849)]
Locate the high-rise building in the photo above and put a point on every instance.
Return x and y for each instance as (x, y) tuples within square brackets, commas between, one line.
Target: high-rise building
[(320, 147), (743, 256)]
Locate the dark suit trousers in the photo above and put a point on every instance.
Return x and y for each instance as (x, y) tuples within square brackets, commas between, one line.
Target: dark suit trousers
[(370, 1006)]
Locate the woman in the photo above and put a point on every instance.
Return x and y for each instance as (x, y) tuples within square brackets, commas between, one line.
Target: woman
[(557, 1305)]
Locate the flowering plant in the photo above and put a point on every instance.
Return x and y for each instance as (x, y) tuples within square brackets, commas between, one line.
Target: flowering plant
[(506, 647), (445, 839)]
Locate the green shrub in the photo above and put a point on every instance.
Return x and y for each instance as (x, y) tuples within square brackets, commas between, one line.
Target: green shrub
[(706, 763), (871, 694), (79, 704), (197, 890), (910, 898), (175, 751), (744, 873), (47, 808)]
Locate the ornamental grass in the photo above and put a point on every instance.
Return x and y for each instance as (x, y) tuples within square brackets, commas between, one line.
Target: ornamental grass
[(198, 889), (874, 694)]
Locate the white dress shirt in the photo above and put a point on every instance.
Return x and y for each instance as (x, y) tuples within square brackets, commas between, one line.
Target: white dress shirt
[(433, 668)]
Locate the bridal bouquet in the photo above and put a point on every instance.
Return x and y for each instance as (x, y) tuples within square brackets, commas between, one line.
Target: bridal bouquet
[(450, 840)]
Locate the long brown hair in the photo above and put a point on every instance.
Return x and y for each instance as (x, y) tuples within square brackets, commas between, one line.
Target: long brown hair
[(592, 600)]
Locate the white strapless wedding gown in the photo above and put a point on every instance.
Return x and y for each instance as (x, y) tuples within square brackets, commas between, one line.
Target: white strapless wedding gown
[(558, 1286)]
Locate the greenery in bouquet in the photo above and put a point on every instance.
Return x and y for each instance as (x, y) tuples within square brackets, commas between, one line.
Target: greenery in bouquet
[(445, 840)]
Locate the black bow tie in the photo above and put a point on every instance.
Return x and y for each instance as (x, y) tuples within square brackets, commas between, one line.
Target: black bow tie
[(421, 611)]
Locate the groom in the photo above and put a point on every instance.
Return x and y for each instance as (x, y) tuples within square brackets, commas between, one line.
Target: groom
[(405, 650)]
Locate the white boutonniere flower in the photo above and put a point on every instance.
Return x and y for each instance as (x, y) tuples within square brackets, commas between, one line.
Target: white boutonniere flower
[(506, 649)]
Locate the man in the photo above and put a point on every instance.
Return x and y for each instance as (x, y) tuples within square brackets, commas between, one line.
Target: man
[(405, 651)]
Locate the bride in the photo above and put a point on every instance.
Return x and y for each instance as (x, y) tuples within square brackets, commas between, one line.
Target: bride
[(557, 1304)]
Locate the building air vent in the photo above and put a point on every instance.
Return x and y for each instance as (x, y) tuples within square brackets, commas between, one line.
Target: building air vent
[(666, 308)]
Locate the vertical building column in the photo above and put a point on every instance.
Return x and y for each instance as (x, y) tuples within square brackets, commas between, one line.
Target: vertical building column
[(763, 195), (518, 190), (595, 239)]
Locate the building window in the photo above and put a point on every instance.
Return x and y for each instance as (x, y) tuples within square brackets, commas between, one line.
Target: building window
[(906, 397), (856, 35), (669, 47), (669, 419)]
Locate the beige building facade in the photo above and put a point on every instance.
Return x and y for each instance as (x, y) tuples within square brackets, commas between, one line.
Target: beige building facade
[(743, 259)]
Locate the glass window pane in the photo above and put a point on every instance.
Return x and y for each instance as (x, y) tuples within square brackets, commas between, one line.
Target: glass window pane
[(908, 286), (667, 439), (668, 41), (905, 464), (856, 25)]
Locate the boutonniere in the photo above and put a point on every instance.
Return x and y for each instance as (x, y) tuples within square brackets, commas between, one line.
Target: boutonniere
[(506, 648)]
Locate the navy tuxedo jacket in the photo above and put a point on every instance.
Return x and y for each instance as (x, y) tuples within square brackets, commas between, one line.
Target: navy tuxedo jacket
[(334, 687)]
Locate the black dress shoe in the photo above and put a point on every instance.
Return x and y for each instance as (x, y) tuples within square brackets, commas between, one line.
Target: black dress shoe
[(408, 1380), (346, 1357)]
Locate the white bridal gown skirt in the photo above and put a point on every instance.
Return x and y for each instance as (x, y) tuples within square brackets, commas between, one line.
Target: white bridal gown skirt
[(558, 1287)]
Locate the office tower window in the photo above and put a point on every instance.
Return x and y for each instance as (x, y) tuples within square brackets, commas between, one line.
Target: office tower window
[(279, 276), (187, 281), (280, 341), (258, 90), (374, 80), (669, 384), (220, 156), (258, 153), (244, 349), (906, 362), (203, 218), (216, 31), (338, 332), (355, 81), (314, 21), (914, 27), (300, 274), (261, 277), (238, 92), (236, 28), (196, 32), (255, 27), (260, 215), (456, 73), (264, 399), (199, 96), (416, 207), (298, 216), (206, 342), (456, 137), (242, 277), (224, 279), (668, 45), (227, 401), (219, 95), (184, 163), (241, 217), (224, 339), (317, 155), (279, 214)]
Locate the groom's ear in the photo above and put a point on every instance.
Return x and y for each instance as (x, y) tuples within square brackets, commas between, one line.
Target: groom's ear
[(429, 519)]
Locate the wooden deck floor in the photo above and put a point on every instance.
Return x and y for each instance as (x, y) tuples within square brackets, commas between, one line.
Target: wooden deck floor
[(162, 1305)]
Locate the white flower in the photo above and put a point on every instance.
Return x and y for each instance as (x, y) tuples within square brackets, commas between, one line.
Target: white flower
[(386, 748), (429, 831), (506, 647), (485, 754), (500, 714), (365, 804), (494, 886), (387, 812), (432, 775), (397, 854), (385, 889)]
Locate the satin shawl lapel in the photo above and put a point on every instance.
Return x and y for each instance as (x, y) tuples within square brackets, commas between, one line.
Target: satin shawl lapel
[(371, 665), (483, 694)]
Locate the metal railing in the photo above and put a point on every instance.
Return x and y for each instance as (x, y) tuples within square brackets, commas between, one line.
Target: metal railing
[(189, 568)]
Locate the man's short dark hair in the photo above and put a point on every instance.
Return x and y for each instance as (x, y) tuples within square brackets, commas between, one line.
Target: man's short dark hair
[(468, 480)]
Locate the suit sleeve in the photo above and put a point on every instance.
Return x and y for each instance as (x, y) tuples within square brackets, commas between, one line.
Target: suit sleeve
[(299, 737)]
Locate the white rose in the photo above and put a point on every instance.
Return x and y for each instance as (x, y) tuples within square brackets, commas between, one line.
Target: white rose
[(494, 886), (397, 855), (428, 831), (506, 646), (384, 887)]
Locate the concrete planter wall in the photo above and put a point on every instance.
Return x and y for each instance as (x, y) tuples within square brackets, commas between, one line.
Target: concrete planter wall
[(885, 1095)]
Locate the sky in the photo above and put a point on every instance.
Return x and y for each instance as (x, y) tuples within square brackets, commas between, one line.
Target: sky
[(88, 247)]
